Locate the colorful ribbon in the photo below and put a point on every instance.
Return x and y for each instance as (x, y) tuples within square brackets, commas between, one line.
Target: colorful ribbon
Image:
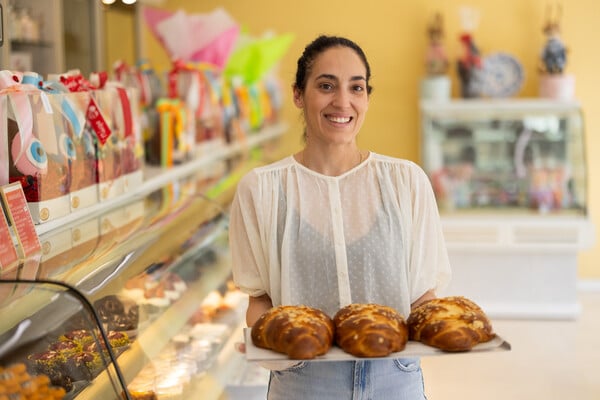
[(75, 82), (172, 124), (18, 98)]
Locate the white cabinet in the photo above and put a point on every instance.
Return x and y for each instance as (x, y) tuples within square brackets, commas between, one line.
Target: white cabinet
[(510, 179)]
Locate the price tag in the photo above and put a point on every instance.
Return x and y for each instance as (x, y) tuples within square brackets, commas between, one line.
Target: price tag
[(20, 218), (8, 252)]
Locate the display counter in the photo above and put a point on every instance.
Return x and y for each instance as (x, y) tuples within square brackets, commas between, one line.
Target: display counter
[(510, 178), (147, 272)]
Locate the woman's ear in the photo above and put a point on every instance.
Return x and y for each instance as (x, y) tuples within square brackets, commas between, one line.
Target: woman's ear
[(298, 101)]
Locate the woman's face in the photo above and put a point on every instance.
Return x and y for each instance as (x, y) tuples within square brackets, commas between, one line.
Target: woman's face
[(335, 99)]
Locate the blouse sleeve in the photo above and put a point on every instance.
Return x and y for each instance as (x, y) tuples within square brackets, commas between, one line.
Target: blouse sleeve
[(244, 238), (429, 266)]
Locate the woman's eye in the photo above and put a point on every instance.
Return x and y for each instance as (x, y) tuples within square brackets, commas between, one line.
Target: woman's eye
[(358, 88), (326, 86), (67, 147)]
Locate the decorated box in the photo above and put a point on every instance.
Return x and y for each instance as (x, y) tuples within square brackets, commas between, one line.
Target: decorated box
[(199, 87), (108, 147), (32, 152), (128, 122), (77, 138)]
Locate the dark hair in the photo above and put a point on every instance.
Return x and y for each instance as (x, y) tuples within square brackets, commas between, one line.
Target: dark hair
[(319, 45)]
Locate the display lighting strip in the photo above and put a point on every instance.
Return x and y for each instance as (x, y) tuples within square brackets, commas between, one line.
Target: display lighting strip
[(109, 2)]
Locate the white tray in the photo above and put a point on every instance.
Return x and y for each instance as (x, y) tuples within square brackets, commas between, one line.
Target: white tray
[(412, 349)]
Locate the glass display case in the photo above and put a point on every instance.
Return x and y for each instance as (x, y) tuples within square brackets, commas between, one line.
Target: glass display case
[(51, 343), (138, 282), (132, 298), (518, 156), (510, 179)]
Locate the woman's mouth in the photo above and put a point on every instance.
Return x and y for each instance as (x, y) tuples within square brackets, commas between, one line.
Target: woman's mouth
[(339, 120)]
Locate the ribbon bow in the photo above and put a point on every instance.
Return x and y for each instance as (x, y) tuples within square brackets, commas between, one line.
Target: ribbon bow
[(75, 82)]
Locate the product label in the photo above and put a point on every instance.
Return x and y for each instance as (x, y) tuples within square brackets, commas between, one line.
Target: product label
[(20, 218), (97, 121), (8, 253)]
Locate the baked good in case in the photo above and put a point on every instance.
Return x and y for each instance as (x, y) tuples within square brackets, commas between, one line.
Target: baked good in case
[(299, 331), (452, 323), (370, 330)]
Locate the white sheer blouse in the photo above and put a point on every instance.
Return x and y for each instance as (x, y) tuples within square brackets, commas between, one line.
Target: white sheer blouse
[(371, 235)]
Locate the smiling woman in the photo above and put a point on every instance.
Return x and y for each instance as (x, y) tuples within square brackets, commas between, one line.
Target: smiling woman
[(333, 225), (334, 98)]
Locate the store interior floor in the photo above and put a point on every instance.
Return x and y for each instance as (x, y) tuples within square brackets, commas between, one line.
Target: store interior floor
[(549, 359)]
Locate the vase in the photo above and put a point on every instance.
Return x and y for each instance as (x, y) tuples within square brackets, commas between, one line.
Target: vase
[(436, 88), (557, 86)]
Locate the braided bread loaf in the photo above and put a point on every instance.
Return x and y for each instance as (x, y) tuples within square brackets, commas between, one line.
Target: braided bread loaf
[(449, 323), (370, 330), (301, 332)]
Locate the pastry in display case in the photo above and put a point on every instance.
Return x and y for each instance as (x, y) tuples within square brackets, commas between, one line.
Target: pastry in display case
[(52, 346), (132, 306), (510, 178)]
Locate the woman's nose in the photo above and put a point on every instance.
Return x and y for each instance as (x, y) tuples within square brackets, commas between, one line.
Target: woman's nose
[(341, 99)]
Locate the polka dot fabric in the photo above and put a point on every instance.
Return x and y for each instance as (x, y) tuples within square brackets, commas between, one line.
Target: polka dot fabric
[(371, 235)]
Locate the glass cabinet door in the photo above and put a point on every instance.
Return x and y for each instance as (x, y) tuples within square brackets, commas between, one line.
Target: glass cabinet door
[(512, 155), (51, 344)]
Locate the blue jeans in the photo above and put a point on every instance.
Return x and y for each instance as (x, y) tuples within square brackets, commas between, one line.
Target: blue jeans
[(386, 379)]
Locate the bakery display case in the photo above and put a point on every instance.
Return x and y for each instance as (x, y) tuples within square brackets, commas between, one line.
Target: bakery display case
[(55, 351), (510, 179), (132, 298)]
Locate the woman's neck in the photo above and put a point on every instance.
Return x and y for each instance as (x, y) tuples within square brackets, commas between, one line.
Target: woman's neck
[(331, 162)]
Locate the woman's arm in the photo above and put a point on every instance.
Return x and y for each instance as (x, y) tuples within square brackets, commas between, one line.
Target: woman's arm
[(428, 295), (256, 307)]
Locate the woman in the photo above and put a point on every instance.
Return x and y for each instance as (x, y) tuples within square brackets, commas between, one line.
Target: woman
[(335, 224)]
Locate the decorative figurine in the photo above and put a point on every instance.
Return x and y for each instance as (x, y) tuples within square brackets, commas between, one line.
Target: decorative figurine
[(554, 83), (469, 65), (436, 85), (554, 54), (436, 60)]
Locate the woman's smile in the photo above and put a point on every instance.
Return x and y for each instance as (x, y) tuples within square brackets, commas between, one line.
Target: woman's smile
[(338, 119)]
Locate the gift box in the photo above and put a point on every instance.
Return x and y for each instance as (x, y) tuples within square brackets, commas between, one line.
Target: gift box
[(33, 154), (78, 141), (210, 126), (173, 145), (132, 150), (144, 89), (109, 150), (198, 86)]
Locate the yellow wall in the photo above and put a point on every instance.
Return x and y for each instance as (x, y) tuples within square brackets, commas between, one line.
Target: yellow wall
[(392, 33), (120, 33)]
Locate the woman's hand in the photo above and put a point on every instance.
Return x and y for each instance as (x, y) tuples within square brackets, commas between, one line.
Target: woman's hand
[(428, 295), (241, 347), (257, 306)]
